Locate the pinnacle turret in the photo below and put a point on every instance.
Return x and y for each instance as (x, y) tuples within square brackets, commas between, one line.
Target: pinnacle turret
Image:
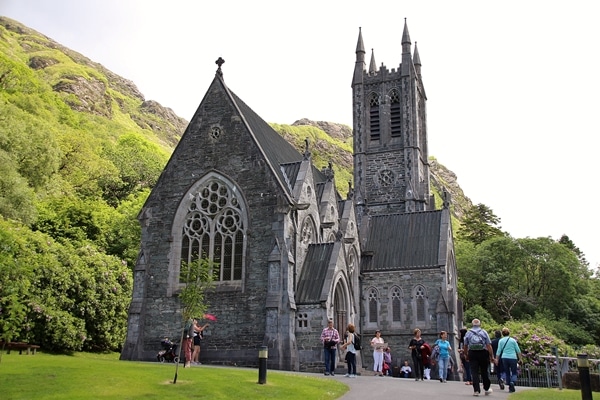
[(360, 65), (372, 64)]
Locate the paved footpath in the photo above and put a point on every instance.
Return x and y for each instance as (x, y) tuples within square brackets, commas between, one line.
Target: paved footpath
[(368, 387)]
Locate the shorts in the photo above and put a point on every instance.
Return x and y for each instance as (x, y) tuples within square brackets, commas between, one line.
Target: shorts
[(197, 340)]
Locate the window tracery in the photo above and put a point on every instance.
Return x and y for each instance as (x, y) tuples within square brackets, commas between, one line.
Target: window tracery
[(214, 228)]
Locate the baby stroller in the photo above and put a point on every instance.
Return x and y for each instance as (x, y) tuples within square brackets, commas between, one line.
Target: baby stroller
[(168, 353)]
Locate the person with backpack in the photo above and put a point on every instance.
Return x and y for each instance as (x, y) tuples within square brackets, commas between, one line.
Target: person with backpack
[(479, 353), (352, 341)]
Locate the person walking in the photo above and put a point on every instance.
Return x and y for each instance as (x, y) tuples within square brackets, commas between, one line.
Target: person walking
[(416, 344), (377, 344), (479, 353), (465, 365), (330, 338), (496, 367), (443, 360), (351, 355), (509, 354)]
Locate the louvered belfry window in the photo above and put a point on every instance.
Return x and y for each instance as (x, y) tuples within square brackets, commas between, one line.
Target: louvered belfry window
[(214, 229), (395, 114), (374, 122)]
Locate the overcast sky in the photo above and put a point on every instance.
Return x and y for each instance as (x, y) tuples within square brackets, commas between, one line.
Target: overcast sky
[(512, 86)]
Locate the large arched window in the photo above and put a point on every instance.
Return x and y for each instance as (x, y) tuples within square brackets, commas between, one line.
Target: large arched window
[(212, 223), (420, 303), (396, 297), (373, 305)]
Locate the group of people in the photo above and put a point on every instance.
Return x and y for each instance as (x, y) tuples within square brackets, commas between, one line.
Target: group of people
[(191, 342), (477, 352), (480, 352)]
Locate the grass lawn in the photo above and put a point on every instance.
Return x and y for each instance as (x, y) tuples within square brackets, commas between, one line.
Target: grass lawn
[(103, 376), (547, 394)]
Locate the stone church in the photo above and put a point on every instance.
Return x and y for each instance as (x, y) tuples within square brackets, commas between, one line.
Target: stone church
[(291, 251)]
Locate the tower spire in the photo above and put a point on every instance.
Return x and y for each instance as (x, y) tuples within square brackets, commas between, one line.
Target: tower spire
[(406, 56), (360, 65), (372, 65), (417, 61)]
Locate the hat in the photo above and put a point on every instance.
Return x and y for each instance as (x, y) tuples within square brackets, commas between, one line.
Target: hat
[(378, 330)]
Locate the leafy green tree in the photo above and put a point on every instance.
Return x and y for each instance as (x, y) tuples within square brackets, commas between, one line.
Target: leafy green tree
[(198, 277), (62, 297), (551, 273), (517, 277), (15, 281), (479, 224), (120, 228), (565, 241), (481, 314), (139, 163), (16, 196), (69, 218)]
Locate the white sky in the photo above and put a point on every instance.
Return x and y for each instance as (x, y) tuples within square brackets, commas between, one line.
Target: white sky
[(512, 86)]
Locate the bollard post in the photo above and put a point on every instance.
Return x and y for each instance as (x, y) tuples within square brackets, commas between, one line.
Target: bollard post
[(584, 376), (263, 355)]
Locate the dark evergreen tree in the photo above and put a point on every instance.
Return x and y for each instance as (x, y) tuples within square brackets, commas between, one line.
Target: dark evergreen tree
[(479, 224)]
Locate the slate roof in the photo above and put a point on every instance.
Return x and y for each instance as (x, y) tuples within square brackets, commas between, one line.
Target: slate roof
[(403, 241), (283, 157), (314, 271)]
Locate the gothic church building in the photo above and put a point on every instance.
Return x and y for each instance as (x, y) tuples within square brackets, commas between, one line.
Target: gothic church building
[(291, 251)]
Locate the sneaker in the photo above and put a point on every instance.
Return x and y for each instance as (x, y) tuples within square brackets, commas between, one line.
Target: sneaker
[(488, 392), (326, 373), (501, 383), (441, 380), (332, 374), (476, 394), (511, 387), (347, 375), (353, 376), (445, 381)]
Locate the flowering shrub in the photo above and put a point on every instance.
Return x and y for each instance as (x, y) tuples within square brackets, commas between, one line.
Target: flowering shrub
[(536, 341)]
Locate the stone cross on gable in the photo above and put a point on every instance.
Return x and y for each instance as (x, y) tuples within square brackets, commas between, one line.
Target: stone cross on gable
[(220, 62)]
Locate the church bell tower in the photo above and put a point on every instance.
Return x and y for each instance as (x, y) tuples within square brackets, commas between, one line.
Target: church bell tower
[(391, 169)]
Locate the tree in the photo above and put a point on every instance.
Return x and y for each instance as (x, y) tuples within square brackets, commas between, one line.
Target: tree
[(479, 224), (198, 278), (568, 243)]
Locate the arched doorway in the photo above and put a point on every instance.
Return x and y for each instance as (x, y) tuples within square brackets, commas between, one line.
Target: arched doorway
[(340, 311)]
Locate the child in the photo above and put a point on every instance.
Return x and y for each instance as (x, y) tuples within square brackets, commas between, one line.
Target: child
[(387, 362), (405, 370)]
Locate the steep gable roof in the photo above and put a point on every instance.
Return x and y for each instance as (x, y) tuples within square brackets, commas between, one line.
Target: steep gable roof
[(283, 157), (403, 241)]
